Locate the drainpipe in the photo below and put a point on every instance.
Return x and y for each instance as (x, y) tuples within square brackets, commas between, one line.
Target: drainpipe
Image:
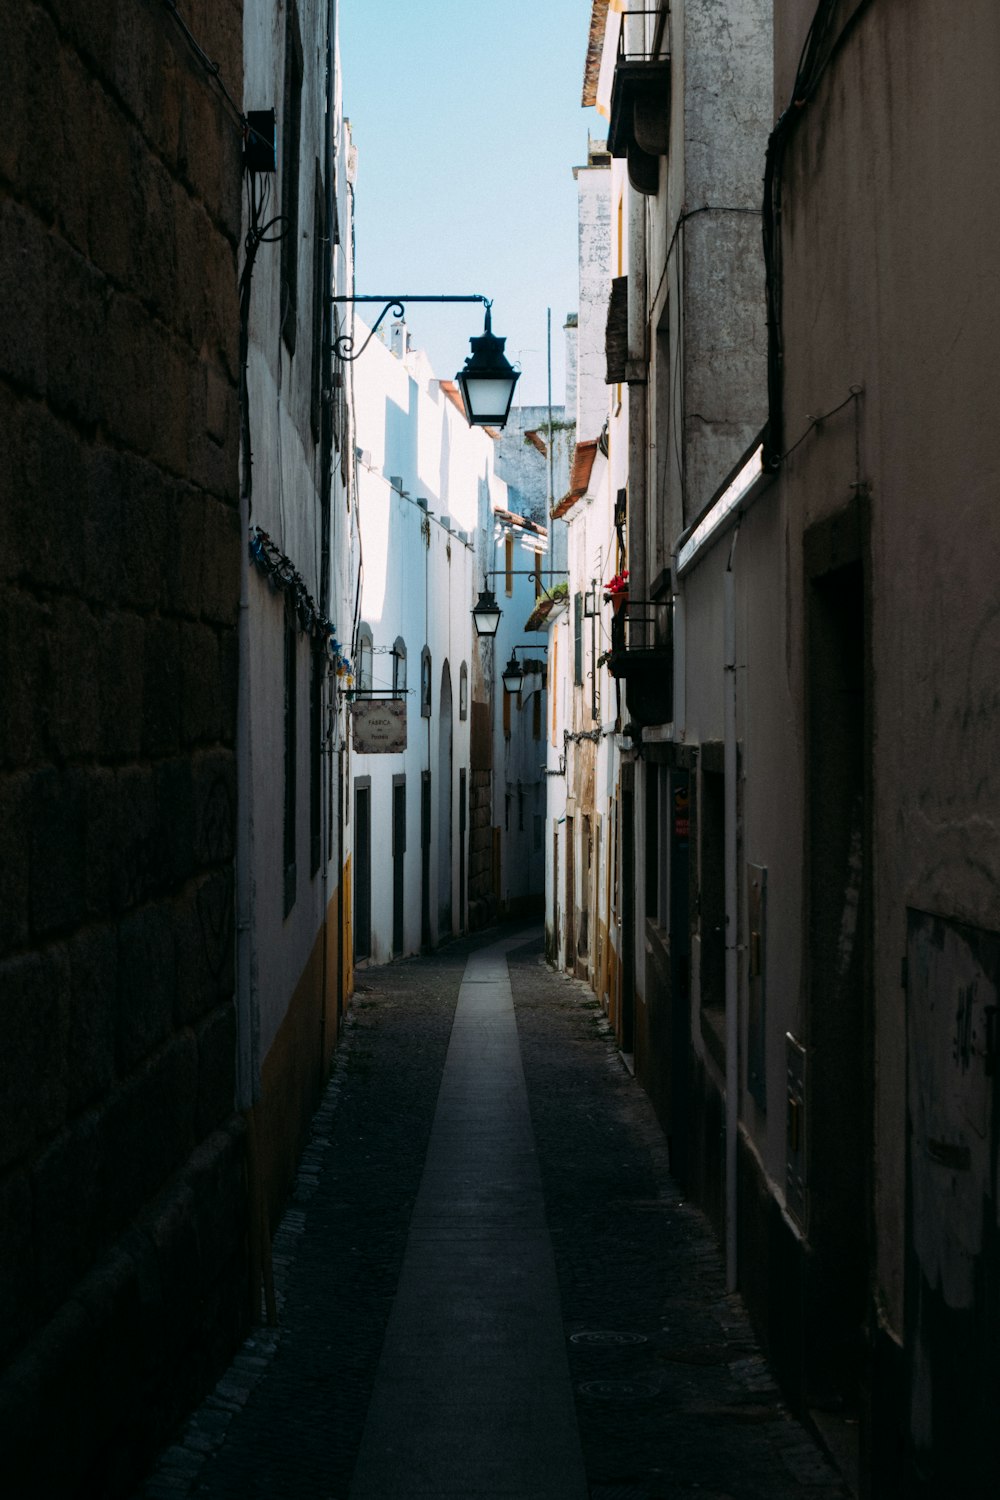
[(732, 933)]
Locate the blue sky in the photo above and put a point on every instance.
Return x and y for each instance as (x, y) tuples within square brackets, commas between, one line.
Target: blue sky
[(467, 119)]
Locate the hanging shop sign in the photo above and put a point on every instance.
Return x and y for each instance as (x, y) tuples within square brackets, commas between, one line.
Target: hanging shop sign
[(379, 725)]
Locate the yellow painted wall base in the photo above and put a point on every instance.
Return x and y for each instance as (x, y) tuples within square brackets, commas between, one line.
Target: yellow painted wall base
[(295, 1069)]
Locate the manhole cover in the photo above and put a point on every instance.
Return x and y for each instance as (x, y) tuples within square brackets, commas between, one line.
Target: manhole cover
[(618, 1390), (605, 1337)]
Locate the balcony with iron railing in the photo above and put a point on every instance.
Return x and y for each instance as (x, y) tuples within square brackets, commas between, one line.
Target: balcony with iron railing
[(639, 123), (642, 656)]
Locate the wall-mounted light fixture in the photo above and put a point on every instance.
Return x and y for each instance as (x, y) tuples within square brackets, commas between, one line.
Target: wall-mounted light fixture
[(513, 673), (486, 380), (486, 612)]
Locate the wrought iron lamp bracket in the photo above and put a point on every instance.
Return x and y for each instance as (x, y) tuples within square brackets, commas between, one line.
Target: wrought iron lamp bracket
[(525, 573), (343, 347)]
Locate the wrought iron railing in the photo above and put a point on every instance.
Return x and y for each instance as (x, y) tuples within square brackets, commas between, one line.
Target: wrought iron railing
[(641, 625), (651, 51)]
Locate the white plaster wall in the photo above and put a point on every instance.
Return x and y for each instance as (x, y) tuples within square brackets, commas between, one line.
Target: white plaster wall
[(560, 647), (286, 503), (592, 768), (518, 760), (595, 271), (420, 579)]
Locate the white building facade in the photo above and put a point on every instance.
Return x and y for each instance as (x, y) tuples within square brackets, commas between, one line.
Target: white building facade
[(297, 569), (426, 491)]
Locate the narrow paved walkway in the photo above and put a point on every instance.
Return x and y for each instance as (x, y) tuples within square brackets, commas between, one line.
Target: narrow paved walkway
[(489, 1285), (472, 1395)]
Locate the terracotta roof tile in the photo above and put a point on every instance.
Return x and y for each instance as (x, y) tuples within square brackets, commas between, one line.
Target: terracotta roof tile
[(536, 620), (595, 46), (522, 521), (583, 465)]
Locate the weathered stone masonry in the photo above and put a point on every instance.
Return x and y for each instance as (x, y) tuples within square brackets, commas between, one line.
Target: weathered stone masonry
[(122, 1220)]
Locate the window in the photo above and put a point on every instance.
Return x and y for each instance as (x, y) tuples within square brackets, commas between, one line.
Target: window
[(508, 564), (425, 683), (578, 639), (289, 161), (399, 667), (290, 708), (536, 716), (506, 713), (463, 692), (364, 677)]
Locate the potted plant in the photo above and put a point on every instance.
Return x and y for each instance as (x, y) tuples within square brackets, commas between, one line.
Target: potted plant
[(616, 590)]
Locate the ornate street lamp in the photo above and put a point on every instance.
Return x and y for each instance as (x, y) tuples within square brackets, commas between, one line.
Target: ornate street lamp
[(486, 380), (486, 614), (512, 675)]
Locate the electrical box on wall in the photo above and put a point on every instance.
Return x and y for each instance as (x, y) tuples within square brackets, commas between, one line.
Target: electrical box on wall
[(259, 144)]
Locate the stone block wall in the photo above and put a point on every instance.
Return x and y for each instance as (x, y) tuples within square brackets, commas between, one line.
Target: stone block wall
[(122, 1176)]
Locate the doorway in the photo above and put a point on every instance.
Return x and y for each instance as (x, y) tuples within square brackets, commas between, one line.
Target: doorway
[(362, 868), (626, 1038), (839, 1067), (569, 958), (445, 827), (398, 864), (463, 820), (425, 861)]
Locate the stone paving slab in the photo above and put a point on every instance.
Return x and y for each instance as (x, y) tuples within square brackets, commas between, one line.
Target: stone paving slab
[(671, 1395)]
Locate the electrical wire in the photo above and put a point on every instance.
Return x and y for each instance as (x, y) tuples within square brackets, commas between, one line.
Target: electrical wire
[(210, 67), (814, 422), (258, 197)]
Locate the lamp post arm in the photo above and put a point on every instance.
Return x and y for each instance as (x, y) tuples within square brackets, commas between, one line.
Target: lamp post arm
[(343, 347), (525, 572)]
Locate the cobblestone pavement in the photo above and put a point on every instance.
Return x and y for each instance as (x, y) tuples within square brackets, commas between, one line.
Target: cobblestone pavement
[(672, 1396)]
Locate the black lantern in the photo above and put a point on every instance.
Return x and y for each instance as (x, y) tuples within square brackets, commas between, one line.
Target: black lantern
[(487, 380), (512, 676), (486, 614)]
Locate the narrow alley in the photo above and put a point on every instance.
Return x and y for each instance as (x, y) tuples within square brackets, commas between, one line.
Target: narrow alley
[(487, 1283)]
